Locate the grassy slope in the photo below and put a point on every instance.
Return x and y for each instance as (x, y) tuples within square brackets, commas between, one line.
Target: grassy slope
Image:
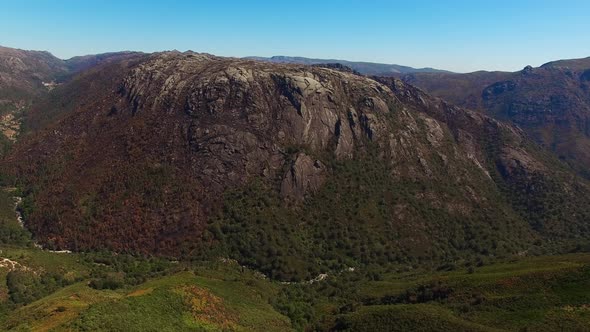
[(404, 317), (180, 302), (56, 310), (213, 304), (542, 294)]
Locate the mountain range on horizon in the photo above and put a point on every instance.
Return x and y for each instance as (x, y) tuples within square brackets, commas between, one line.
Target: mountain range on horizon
[(383, 69), (365, 68), (551, 102)]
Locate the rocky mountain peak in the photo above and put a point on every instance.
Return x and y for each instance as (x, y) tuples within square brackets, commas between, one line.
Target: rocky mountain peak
[(172, 143), (527, 70)]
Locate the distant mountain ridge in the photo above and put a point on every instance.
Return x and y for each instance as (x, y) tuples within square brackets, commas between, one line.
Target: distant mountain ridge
[(27, 75), (573, 64), (551, 102), (365, 68)]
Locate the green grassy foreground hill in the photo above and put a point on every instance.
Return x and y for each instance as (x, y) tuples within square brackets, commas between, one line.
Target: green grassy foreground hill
[(179, 302), (534, 294)]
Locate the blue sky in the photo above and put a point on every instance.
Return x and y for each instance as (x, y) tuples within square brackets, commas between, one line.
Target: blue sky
[(455, 35)]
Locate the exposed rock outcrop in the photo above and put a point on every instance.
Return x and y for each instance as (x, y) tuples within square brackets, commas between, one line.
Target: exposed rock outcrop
[(304, 176)]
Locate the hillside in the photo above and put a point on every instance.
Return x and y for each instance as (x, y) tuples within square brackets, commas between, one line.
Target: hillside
[(22, 73), (571, 64), (290, 169), (50, 291), (542, 294), (24, 76), (551, 103), (27, 76)]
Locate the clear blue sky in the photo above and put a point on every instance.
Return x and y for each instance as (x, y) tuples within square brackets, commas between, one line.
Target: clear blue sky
[(456, 35)]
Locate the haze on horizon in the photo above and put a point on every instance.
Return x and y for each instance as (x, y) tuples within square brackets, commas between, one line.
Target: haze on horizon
[(455, 35)]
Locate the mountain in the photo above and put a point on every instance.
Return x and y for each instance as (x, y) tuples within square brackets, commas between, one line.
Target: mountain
[(550, 103), (80, 63), (26, 76), (365, 68), (22, 73), (290, 169), (572, 64)]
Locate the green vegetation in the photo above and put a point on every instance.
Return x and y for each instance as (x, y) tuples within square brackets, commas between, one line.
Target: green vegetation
[(185, 302), (370, 290), (102, 291), (548, 293), (25, 287), (5, 145), (418, 317), (11, 232), (213, 297), (545, 200), (353, 229), (364, 217), (541, 294)]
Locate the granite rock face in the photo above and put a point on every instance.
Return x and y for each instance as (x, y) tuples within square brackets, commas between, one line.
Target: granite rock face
[(304, 176)]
